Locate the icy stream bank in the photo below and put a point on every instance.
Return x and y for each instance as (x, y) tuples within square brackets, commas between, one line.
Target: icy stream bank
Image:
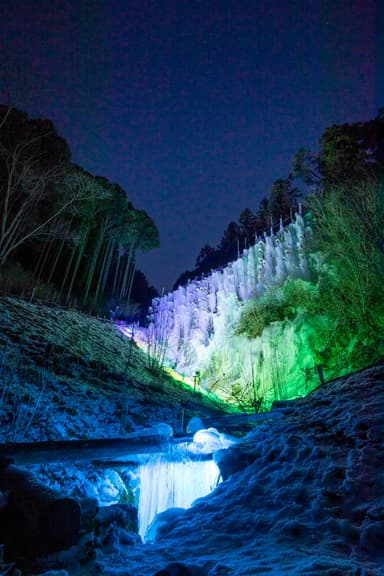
[(305, 497)]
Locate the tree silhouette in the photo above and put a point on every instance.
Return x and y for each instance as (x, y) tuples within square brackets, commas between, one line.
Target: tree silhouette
[(33, 160)]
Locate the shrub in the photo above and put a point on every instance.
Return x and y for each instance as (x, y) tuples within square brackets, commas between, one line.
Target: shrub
[(276, 306), (20, 402), (16, 281)]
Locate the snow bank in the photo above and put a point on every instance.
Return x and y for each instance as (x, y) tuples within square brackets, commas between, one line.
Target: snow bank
[(304, 495)]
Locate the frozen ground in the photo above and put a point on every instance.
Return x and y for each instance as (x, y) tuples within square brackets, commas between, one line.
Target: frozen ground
[(305, 495), (304, 492), (64, 375)]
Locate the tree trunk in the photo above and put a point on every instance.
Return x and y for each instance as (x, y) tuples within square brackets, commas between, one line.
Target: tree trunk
[(117, 271), (154, 439), (68, 268), (92, 267), (131, 280), (104, 272), (77, 264), (123, 286), (45, 259), (56, 260)]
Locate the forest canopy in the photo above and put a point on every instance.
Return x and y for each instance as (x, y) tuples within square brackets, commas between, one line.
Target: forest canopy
[(347, 153), (69, 234)]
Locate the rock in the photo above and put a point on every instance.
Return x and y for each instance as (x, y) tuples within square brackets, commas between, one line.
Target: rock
[(123, 515), (116, 526), (194, 425), (207, 441), (79, 557), (127, 538), (35, 519), (89, 508), (231, 461)]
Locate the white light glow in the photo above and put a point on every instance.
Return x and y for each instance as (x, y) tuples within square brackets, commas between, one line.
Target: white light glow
[(174, 484)]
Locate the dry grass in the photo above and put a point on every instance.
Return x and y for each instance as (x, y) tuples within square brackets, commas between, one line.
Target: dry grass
[(94, 374)]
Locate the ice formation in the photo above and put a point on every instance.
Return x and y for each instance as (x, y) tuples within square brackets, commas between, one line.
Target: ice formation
[(175, 483), (191, 327), (305, 497)]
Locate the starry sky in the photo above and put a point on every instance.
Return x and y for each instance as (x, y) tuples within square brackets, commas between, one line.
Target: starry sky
[(194, 107)]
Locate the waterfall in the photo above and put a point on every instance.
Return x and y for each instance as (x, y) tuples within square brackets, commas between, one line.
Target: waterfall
[(172, 484)]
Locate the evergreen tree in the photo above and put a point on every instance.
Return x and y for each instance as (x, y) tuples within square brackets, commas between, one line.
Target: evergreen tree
[(247, 222), (282, 200)]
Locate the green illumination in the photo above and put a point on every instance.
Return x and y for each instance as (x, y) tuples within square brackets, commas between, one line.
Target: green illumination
[(296, 308), (278, 345)]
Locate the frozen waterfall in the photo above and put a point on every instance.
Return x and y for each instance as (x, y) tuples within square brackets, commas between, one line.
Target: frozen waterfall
[(193, 330), (185, 325), (172, 484)]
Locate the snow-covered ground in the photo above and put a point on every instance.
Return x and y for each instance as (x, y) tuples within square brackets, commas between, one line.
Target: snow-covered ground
[(64, 375), (304, 492), (306, 496)]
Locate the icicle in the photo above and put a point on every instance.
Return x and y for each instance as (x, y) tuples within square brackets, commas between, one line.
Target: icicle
[(189, 318), (172, 484), (269, 260), (281, 270)]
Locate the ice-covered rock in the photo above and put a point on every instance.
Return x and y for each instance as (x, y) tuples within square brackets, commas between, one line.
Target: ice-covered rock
[(207, 441), (194, 425), (162, 523)]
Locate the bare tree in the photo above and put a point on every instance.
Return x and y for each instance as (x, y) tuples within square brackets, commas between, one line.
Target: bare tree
[(33, 159)]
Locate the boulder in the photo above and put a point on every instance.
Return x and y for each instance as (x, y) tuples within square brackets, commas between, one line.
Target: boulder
[(194, 425), (123, 515), (34, 519)]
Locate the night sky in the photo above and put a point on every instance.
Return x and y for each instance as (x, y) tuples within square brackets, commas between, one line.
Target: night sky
[(193, 107)]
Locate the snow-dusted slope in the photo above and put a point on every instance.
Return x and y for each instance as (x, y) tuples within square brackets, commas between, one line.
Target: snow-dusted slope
[(306, 495), (64, 375)]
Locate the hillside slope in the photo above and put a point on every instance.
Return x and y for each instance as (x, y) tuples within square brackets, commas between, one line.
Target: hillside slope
[(66, 375)]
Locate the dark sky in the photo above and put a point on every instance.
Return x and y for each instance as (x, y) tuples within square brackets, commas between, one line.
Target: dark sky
[(194, 107)]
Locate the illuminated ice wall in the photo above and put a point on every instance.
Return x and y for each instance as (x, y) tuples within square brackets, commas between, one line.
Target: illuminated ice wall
[(194, 325)]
